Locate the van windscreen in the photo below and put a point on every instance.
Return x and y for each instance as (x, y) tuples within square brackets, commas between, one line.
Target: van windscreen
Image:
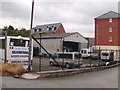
[(18, 42), (104, 54)]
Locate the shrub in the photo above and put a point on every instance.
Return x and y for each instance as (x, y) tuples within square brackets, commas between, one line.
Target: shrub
[(9, 69)]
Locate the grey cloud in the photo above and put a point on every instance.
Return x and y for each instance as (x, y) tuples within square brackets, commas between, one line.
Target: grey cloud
[(75, 16), (15, 10)]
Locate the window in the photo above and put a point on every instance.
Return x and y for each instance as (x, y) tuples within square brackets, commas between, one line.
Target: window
[(47, 28), (50, 28), (77, 56), (55, 28), (104, 54), (35, 30), (110, 39), (82, 51), (110, 29), (110, 20), (18, 42), (65, 56), (39, 29), (2, 43)]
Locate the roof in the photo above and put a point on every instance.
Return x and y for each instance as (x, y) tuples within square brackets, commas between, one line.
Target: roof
[(45, 26), (110, 14), (53, 36)]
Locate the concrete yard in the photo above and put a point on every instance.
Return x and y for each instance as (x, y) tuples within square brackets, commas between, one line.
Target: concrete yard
[(46, 67)]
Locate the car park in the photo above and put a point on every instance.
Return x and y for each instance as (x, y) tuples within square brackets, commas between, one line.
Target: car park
[(67, 59)]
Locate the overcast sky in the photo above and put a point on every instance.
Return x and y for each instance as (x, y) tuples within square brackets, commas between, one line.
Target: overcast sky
[(75, 15)]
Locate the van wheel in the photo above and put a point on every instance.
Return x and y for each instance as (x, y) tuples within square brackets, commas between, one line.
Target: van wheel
[(67, 65), (51, 64)]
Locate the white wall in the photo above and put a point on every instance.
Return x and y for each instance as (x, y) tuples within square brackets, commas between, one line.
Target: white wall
[(51, 45)]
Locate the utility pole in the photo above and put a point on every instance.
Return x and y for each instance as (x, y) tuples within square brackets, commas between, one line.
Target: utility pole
[(5, 47), (30, 42)]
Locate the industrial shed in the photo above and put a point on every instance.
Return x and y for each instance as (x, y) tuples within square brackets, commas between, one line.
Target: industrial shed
[(72, 42)]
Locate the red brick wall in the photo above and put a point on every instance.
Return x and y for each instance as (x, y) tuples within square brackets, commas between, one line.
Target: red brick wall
[(60, 29), (119, 31), (102, 33)]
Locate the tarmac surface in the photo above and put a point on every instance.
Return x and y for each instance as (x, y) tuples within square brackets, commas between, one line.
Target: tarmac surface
[(107, 78)]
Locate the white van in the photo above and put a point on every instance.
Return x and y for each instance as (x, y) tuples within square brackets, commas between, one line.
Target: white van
[(85, 52), (107, 55)]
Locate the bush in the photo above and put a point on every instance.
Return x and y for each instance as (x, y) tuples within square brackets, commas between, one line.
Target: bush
[(9, 69)]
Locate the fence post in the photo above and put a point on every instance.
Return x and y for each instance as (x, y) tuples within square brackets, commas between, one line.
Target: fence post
[(40, 55), (5, 47), (99, 58), (63, 54), (90, 58)]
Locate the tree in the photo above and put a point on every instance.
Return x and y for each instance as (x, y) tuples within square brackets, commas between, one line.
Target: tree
[(15, 32), (10, 27), (5, 28)]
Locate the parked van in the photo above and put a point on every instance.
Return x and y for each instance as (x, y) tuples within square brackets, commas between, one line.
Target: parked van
[(67, 59), (85, 52), (107, 55)]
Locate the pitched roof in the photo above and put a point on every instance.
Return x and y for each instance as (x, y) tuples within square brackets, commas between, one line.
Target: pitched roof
[(53, 36), (110, 14), (45, 26)]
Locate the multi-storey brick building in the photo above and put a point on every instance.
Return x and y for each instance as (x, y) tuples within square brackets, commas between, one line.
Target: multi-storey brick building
[(107, 31), (54, 28)]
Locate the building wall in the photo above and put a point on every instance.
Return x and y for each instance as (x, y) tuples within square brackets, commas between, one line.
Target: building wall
[(119, 32), (60, 29), (108, 47), (51, 45), (102, 33)]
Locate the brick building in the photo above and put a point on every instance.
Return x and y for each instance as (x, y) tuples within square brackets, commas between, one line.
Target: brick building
[(107, 31), (54, 28)]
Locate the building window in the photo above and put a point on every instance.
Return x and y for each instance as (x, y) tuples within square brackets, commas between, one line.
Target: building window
[(110, 39), (35, 30), (47, 28), (39, 29), (50, 28), (110, 20), (110, 29)]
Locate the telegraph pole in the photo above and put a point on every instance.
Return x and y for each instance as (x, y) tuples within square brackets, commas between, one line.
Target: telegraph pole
[(30, 42)]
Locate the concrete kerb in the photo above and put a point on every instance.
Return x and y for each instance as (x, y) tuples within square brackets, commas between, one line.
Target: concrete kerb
[(66, 72)]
